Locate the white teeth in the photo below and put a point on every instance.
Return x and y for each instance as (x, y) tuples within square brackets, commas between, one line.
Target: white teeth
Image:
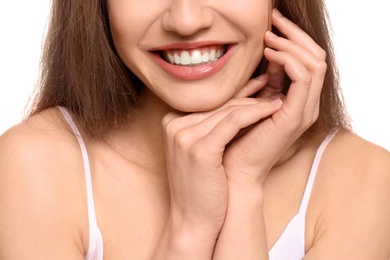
[(212, 55), (205, 57), (218, 54), (194, 57), (171, 58), (185, 58), (176, 58)]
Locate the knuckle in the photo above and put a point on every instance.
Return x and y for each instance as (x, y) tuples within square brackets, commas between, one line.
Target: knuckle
[(197, 151), (171, 126), (233, 118), (183, 139), (168, 127), (166, 120), (321, 54), (306, 78), (171, 118), (320, 66)]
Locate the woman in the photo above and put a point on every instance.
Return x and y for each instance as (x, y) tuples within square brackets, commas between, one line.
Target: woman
[(188, 130)]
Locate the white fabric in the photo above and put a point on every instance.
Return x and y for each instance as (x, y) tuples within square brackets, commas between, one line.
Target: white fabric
[(291, 243), (95, 246)]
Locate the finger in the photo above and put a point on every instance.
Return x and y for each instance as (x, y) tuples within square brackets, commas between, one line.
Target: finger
[(275, 84), (253, 86), (187, 129), (177, 121), (170, 117), (230, 125), (311, 61), (276, 76), (299, 75), (294, 33), (301, 104)]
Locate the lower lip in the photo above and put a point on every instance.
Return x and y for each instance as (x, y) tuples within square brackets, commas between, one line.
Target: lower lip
[(195, 72)]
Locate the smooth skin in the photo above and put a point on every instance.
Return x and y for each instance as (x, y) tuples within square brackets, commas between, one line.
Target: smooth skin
[(219, 184)]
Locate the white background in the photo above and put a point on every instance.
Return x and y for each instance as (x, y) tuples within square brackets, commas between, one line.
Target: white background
[(361, 30)]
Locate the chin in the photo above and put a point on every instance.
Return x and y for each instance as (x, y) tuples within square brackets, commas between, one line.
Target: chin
[(196, 105)]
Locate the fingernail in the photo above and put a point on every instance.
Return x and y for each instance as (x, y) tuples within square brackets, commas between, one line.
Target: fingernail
[(268, 49), (277, 13), (271, 34), (262, 77), (276, 102), (277, 96)]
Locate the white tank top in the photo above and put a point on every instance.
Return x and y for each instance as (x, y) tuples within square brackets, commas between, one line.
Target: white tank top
[(291, 243), (289, 246), (95, 246)]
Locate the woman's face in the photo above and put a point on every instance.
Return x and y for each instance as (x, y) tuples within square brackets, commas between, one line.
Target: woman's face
[(194, 55)]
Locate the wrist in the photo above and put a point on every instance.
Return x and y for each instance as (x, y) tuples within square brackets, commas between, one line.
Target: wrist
[(251, 178), (251, 192), (185, 241), (243, 235)]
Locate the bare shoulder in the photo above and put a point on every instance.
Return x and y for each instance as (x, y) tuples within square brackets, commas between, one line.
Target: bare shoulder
[(40, 129), (37, 146), (39, 171), (351, 201), (351, 144), (357, 163)]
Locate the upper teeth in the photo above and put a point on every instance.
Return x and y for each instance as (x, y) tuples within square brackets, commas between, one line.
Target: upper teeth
[(194, 57)]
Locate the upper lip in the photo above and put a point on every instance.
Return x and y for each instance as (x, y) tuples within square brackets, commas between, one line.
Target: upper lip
[(188, 45)]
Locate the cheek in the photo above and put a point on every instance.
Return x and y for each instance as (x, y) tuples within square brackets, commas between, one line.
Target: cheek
[(253, 20), (125, 37), (251, 14), (128, 21)]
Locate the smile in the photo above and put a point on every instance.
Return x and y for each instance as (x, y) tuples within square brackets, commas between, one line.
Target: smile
[(195, 56), (193, 61)]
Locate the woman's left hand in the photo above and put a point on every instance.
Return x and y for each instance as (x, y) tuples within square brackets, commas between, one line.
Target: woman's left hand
[(250, 157)]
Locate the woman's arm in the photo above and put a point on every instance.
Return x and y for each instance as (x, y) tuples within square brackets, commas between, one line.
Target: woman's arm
[(243, 235), (249, 159), (39, 212)]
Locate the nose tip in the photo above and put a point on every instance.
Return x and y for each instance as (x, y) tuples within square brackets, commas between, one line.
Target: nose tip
[(187, 17)]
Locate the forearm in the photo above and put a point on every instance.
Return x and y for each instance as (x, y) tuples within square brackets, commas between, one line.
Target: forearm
[(184, 242), (243, 235)]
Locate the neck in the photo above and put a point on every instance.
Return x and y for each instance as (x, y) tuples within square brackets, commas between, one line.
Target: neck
[(142, 142)]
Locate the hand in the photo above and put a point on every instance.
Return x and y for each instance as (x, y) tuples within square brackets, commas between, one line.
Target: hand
[(195, 146), (251, 156)]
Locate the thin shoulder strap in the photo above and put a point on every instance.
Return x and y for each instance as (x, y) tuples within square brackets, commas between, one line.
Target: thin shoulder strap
[(95, 238), (313, 171)]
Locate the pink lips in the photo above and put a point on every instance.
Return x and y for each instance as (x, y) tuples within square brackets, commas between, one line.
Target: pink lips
[(193, 72)]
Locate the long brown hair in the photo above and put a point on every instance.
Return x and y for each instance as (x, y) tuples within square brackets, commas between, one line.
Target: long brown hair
[(81, 70)]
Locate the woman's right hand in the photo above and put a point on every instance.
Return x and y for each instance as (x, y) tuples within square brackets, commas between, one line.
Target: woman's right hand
[(195, 144)]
